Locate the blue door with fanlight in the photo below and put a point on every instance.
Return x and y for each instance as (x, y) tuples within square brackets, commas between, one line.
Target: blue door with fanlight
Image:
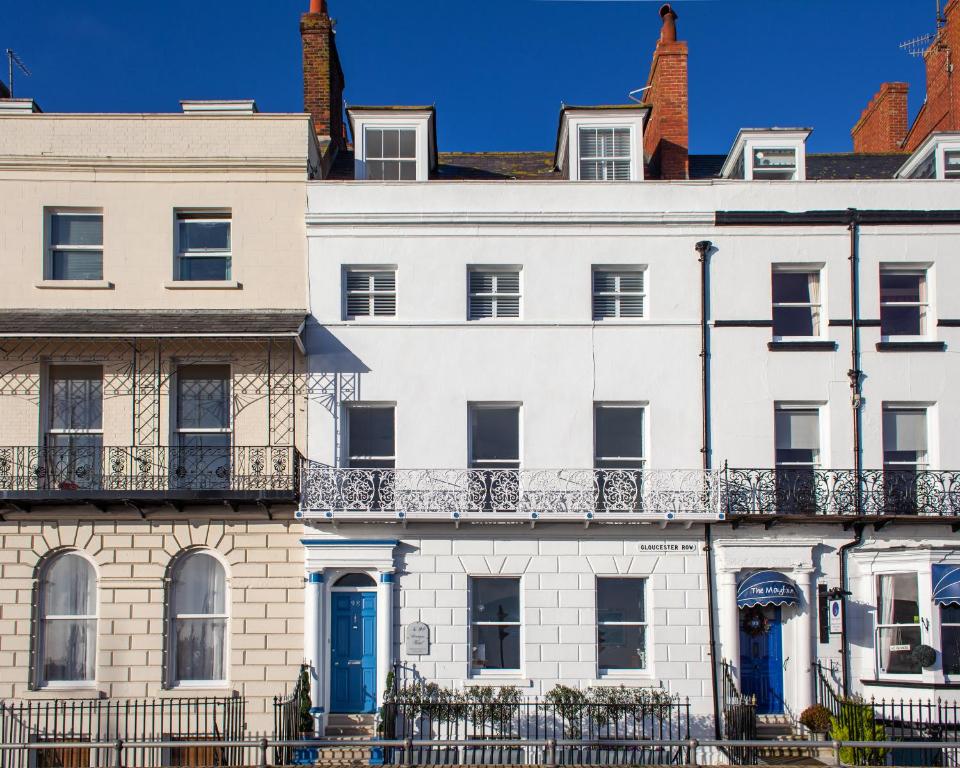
[(353, 652), (761, 660)]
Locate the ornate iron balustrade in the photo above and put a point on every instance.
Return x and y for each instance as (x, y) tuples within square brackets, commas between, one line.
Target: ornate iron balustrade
[(79, 469), (506, 493), (875, 492)]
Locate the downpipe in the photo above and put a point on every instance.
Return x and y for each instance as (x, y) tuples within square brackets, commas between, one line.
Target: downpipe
[(844, 586)]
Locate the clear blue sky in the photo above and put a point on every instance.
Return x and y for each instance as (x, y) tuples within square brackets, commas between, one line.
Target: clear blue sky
[(496, 69)]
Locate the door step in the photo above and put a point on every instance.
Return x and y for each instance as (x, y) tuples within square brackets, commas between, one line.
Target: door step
[(350, 726)]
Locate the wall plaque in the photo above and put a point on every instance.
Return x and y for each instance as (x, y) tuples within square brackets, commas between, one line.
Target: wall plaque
[(668, 548), (418, 639)]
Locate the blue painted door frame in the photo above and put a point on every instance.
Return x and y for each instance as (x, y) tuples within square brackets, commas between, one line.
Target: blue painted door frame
[(761, 666), (353, 652)]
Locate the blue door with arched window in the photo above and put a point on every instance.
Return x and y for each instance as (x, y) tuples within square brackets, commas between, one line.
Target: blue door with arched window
[(761, 659), (353, 652)]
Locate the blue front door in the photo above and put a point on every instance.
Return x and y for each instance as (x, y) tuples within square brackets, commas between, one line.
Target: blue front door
[(761, 665), (353, 652)]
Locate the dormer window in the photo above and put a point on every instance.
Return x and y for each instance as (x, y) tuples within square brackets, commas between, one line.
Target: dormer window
[(604, 154), (767, 154), (775, 163), (393, 143), (937, 158), (601, 143)]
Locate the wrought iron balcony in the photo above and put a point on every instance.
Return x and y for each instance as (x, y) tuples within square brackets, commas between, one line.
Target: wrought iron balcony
[(506, 494), (61, 474), (840, 492)]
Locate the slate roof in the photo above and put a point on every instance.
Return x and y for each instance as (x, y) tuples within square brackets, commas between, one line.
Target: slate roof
[(527, 166), (150, 323)]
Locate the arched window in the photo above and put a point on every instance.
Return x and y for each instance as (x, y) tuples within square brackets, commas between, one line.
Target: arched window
[(355, 580), (68, 621), (198, 611)]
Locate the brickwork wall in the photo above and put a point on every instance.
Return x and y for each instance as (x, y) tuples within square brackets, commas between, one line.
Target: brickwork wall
[(265, 578), (666, 137), (884, 123), (322, 75), (941, 110)]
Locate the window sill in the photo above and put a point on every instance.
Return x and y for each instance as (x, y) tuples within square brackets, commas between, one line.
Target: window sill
[(202, 285), (90, 285), (911, 346), (912, 683), (616, 677), (794, 345), (193, 689), (57, 690), (502, 678)]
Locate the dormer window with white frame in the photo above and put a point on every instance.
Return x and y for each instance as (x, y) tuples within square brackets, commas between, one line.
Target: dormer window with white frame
[(393, 143), (601, 143), (773, 154), (937, 158)]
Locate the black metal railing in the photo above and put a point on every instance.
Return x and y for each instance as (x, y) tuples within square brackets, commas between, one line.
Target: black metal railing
[(95, 468), (425, 712), (289, 721), (739, 717), (132, 721), (804, 491), (903, 720)]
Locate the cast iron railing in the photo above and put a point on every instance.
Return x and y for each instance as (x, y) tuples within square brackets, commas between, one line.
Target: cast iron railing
[(841, 492), (287, 720), (147, 468), (739, 717), (132, 721), (903, 720), (474, 493), (420, 712)]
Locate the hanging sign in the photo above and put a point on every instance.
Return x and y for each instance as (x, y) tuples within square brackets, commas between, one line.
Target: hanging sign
[(835, 608), (418, 639)]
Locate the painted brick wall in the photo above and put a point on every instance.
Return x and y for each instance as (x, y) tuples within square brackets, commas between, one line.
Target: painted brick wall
[(883, 125), (265, 577)]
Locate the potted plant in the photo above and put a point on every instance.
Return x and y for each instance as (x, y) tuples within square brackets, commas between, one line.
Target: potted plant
[(569, 704), (492, 710), (816, 719)]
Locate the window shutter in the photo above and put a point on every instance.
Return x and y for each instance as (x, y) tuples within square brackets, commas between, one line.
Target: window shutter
[(481, 307), (508, 306), (618, 294), (494, 294), (631, 306), (507, 282)]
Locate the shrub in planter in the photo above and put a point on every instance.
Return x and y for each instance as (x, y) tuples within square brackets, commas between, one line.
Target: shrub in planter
[(816, 718), (857, 723)]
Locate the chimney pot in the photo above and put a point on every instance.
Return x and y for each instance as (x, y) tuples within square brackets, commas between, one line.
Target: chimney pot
[(668, 33), (318, 6)]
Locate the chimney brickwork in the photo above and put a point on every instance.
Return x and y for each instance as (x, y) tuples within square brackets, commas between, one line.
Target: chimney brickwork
[(322, 75), (884, 123), (666, 136)]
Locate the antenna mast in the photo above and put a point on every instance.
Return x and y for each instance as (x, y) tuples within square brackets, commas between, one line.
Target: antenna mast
[(13, 61)]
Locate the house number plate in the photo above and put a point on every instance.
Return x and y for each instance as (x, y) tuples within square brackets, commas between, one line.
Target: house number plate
[(418, 639)]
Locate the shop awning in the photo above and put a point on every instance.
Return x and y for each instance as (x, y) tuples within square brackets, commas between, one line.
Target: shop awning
[(946, 584), (767, 588)]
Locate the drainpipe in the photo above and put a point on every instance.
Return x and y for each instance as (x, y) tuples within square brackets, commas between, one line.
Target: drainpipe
[(844, 586), (855, 374), (703, 248)]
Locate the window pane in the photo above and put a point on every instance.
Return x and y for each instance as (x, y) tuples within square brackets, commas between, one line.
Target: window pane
[(620, 600), (70, 587), (375, 170), (895, 645), (408, 143), (205, 268), (199, 586), (77, 265), (76, 397), (374, 143), (898, 286), (791, 287), (774, 158), (899, 603), (408, 171), (69, 650), (496, 647), (76, 229), (391, 170), (200, 651), (793, 321), (950, 637), (200, 460), (621, 647), (391, 144), (494, 434), (901, 321), (619, 432), (203, 397), (204, 235), (797, 429), (904, 430), (371, 432), (496, 599)]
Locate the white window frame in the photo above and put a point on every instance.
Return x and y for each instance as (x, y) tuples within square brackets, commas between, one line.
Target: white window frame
[(644, 442), (50, 248), (924, 304), (881, 673), (765, 173), (202, 216), (931, 154), (415, 160), (495, 463), (487, 671), (348, 409), (496, 294), (816, 408), (171, 672), (618, 293), (923, 462), (816, 307), (371, 293), (419, 120), (605, 158), (645, 670), (739, 163), (43, 618)]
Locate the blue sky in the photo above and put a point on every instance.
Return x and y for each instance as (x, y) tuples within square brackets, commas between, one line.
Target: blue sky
[(496, 69)]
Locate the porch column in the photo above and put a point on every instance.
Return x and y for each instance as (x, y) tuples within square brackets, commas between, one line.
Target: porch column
[(384, 631), (805, 677), (729, 619), (313, 643)]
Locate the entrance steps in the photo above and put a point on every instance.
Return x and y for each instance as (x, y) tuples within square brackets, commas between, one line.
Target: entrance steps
[(350, 726), (780, 731), (346, 728)]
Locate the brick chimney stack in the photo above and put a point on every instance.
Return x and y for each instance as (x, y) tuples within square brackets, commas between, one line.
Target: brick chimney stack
[(666, 137), (883, 125), (322, 75)]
